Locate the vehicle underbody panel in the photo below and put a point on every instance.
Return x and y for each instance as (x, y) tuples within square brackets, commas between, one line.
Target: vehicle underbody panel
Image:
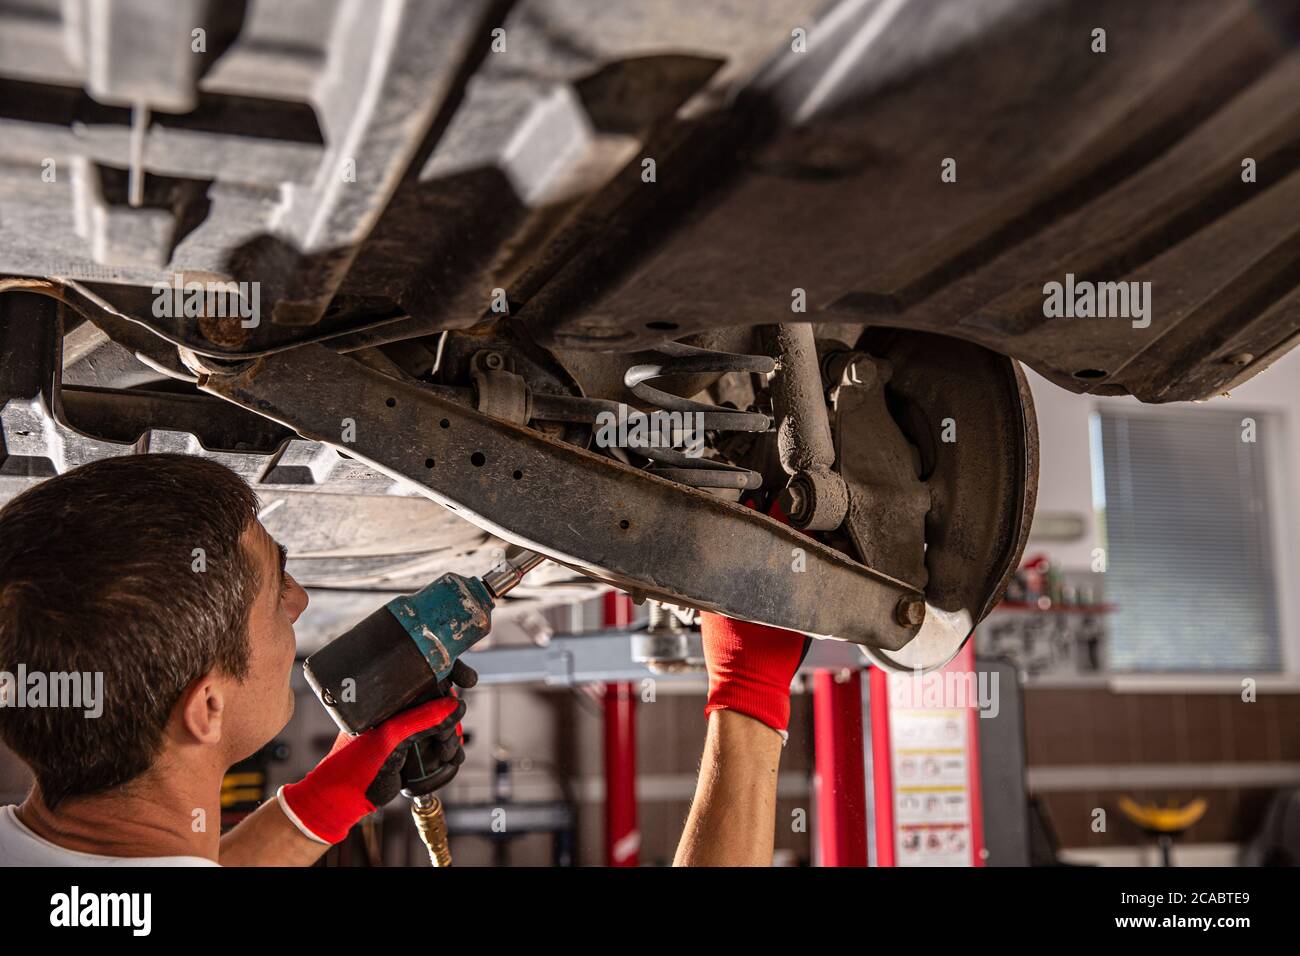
[(389, 169), (472, 229)]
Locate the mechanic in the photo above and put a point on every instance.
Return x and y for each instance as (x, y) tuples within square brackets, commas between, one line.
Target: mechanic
[(153, 573)]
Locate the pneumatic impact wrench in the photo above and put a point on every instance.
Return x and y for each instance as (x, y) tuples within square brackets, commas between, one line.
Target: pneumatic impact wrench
[(399, 657)]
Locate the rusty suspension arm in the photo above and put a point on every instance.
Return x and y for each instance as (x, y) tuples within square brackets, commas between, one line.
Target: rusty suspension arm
[(615, 523)]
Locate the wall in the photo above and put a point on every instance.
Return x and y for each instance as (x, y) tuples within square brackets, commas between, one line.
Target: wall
[(1165, 739), (1088, 746), (1065, 479)]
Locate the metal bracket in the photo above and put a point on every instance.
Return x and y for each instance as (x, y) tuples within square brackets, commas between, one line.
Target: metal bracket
[(614, 523)]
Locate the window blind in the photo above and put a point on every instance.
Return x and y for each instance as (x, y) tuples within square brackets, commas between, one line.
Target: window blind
[(1184, 505)]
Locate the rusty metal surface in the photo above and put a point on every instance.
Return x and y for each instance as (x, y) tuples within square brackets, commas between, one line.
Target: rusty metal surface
[(345, 525), (614, 523), (887, 501), (815, 498)]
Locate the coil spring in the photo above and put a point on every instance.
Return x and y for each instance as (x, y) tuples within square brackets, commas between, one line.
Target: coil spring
[(683, 466)]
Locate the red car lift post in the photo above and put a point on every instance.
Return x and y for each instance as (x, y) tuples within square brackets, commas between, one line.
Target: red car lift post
[(622, 837), (841, 783), (882, 771)]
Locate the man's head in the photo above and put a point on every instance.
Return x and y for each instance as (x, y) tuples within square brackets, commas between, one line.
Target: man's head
[(154, 571)]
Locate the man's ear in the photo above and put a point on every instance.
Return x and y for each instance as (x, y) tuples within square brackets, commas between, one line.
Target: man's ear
[(201, 709)]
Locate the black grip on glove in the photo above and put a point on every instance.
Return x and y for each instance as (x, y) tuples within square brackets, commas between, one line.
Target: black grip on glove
[(433, 761)]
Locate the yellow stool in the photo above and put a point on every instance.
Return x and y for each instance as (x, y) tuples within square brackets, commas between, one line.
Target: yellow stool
[(1164, 823)]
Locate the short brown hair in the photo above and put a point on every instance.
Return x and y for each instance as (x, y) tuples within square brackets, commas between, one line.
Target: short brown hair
[(99, 573)]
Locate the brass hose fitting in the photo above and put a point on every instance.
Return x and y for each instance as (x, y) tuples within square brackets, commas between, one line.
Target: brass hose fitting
[(432, 827)]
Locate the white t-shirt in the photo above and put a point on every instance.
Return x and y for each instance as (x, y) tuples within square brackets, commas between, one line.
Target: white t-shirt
[(19, 846)]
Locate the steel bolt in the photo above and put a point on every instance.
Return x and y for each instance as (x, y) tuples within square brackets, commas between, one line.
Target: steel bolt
[(910, 612)]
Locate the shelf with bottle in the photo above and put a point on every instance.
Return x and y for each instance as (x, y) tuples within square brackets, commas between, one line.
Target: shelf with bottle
[(1044, 605)]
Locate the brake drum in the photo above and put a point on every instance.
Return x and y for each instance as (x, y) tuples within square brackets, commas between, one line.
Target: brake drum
[(968, 415)]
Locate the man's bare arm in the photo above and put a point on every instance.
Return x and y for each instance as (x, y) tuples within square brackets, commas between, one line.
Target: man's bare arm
[(266, 837), (733, 816)]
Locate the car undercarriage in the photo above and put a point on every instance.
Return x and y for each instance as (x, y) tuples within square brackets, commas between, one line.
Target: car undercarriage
[(793, 252)]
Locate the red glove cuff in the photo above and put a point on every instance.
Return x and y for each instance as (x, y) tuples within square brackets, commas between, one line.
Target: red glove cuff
[(750, 668), (327, 802)]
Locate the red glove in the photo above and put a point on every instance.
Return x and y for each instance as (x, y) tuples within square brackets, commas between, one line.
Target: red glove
[(751, 667), (364, 772)]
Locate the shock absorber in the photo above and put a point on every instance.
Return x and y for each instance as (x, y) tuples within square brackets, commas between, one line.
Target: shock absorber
[(692, 419)]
